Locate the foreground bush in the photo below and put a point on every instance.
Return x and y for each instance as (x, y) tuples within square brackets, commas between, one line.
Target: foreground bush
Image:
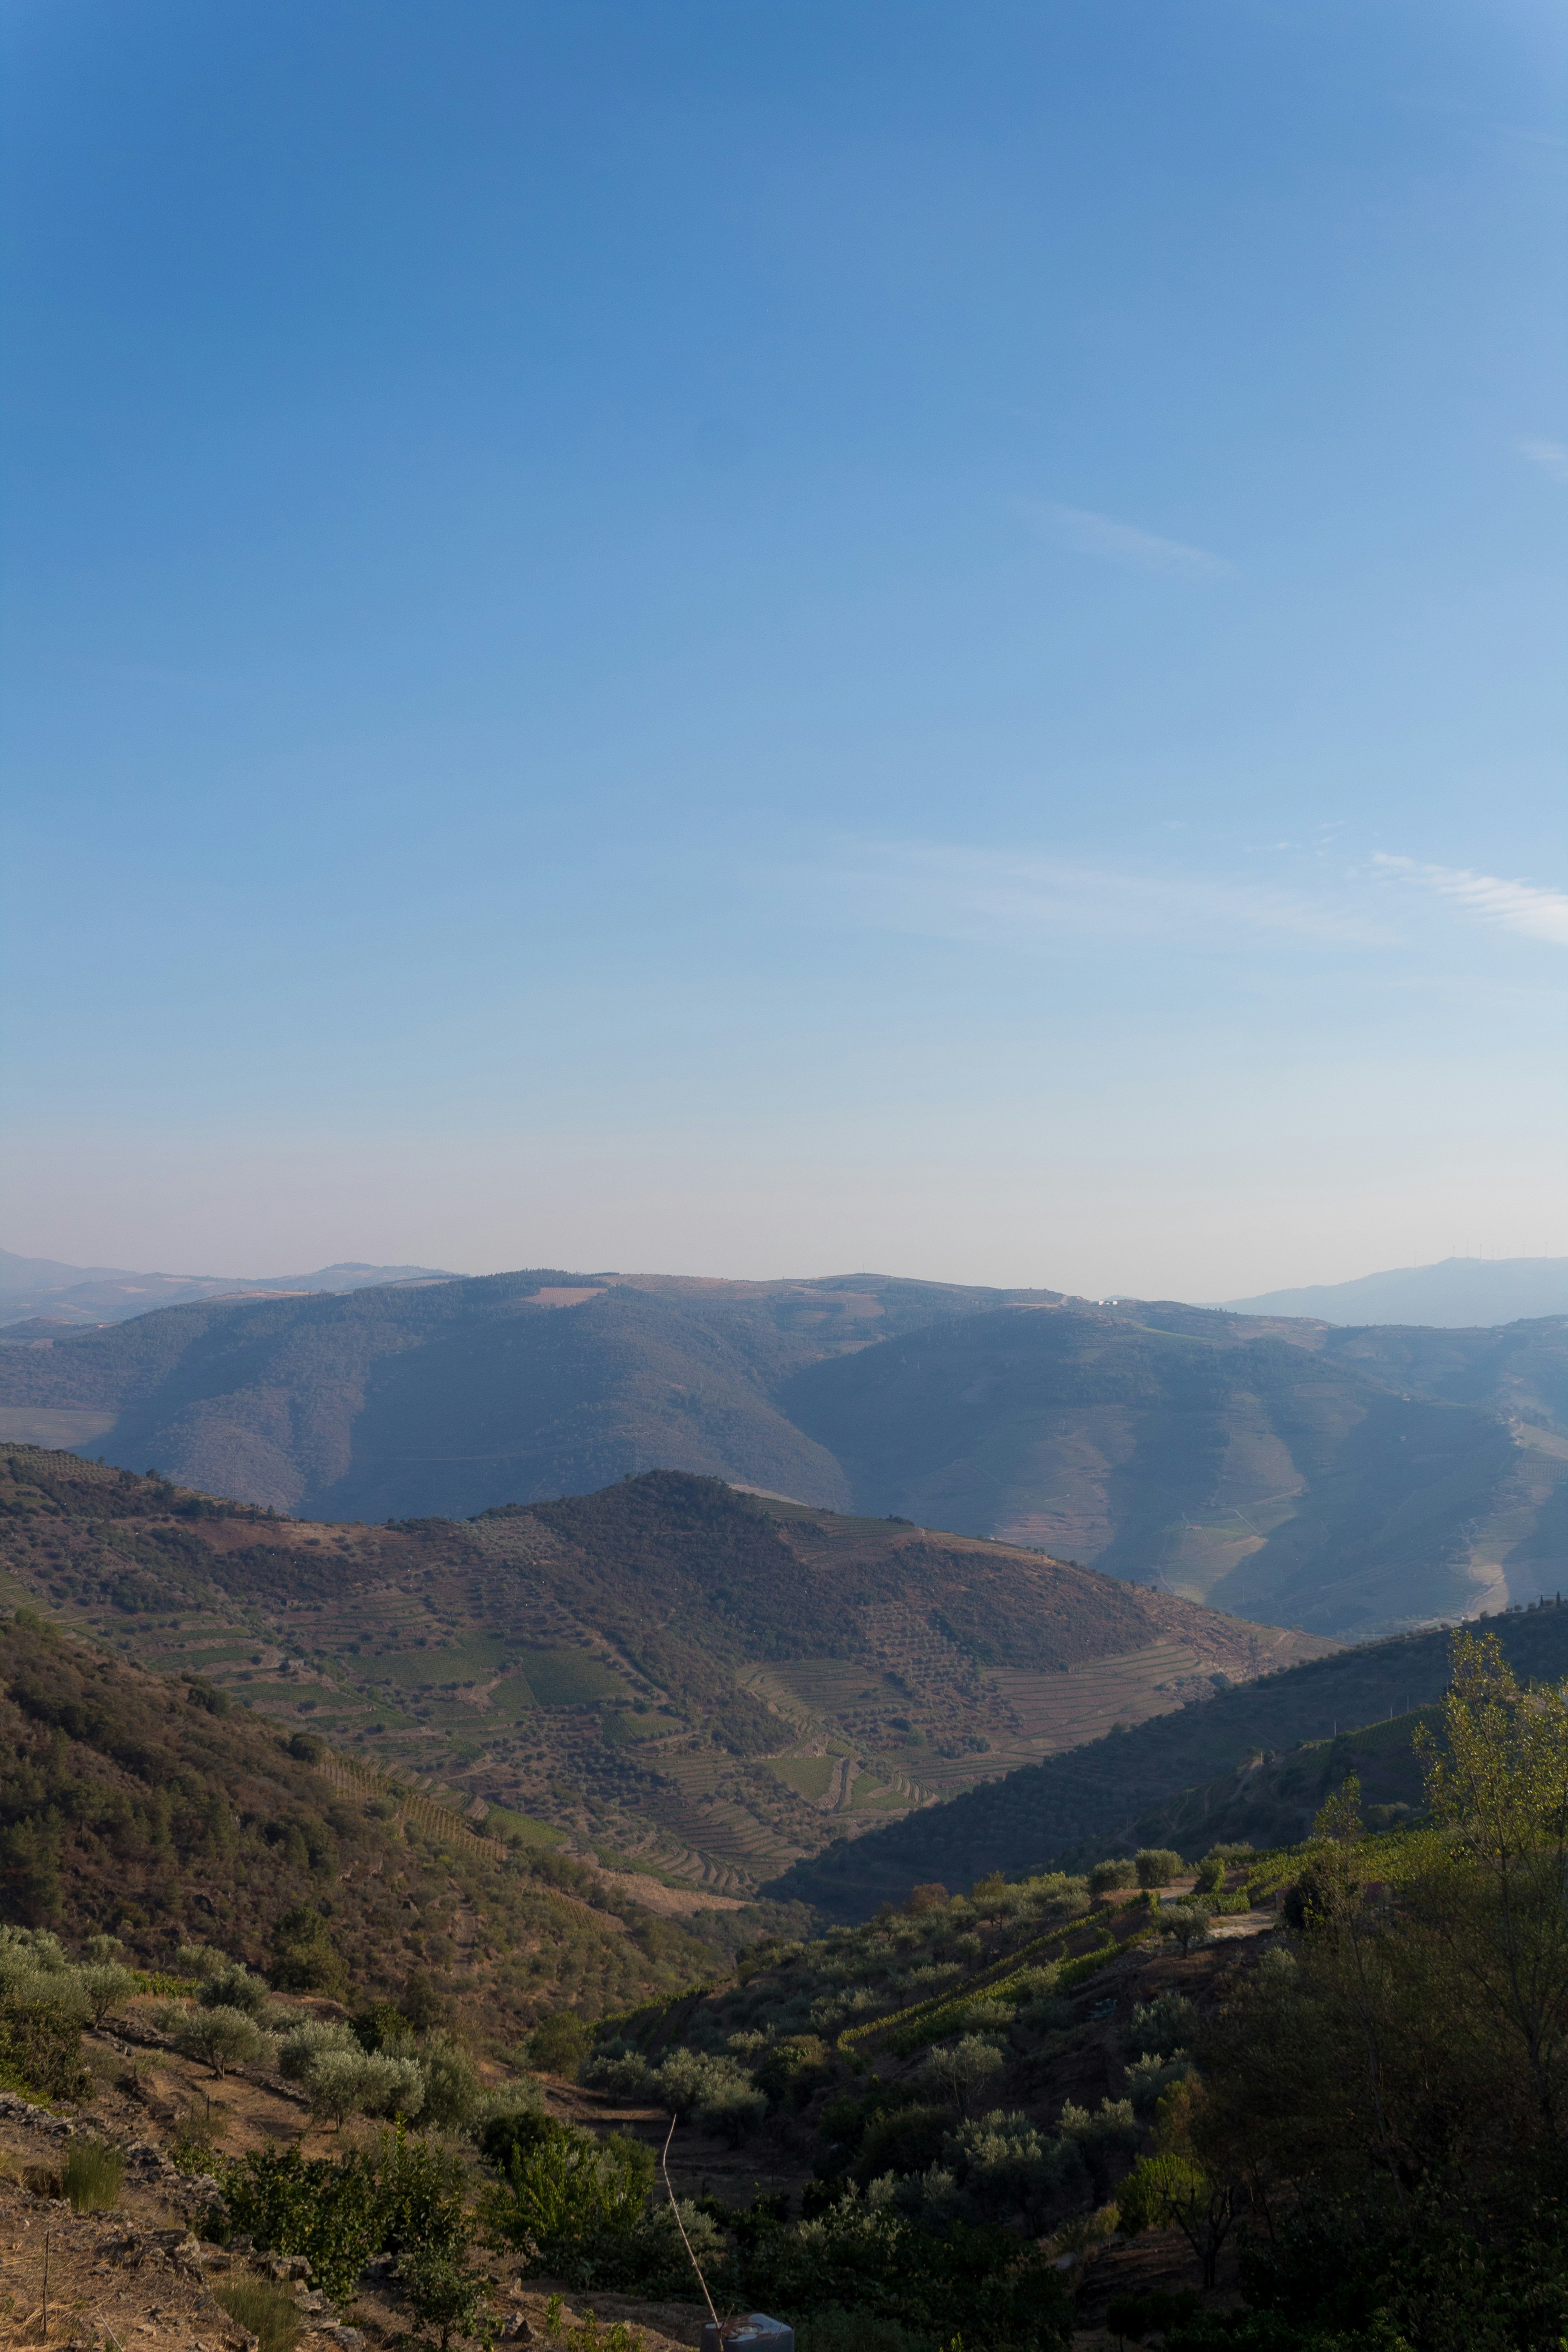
[(44, 2005), (1388, 2097), (403, 2197), (579, 2209), (981, 2283)]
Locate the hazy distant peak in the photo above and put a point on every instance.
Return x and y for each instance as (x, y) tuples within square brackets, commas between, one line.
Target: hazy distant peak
[(48, 1273), (33, 1286), (1459, 1293)]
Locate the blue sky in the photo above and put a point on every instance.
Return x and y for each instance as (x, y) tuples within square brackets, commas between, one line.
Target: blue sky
[(767, 637)]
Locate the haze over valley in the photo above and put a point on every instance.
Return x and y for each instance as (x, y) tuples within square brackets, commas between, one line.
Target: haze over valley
[(783, 1395), (1350, 1480)]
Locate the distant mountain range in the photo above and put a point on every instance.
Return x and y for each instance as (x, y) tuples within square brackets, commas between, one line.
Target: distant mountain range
[(1462, 1293), (41, 1287), (1350, 1481)]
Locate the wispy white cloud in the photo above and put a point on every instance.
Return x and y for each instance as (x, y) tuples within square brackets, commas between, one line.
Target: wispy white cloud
[(1552, 457), (936, 890), (1521, 906), (1121, 542)]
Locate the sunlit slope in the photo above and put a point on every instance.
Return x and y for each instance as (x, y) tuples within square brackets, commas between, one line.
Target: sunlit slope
[(666, 1671), (149, 1806)]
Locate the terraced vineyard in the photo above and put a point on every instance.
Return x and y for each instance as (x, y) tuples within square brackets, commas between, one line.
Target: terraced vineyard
[(630, 1669)]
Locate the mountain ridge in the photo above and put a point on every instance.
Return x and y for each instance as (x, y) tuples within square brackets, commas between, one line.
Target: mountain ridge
[(665, 1670), (1455, 1293), (44, 1289), (1348, 1480)]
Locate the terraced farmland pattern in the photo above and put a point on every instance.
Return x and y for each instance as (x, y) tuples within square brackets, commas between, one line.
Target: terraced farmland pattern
[(627, 1671)]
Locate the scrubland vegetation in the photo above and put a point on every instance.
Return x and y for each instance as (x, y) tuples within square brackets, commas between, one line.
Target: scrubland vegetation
[(1364, 2127), (987, 2101)]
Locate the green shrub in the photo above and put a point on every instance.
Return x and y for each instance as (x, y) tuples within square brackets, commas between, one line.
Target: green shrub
[(266, 2312), (40, 2040), (91, 2175), (1048, 2013), (981, 2283), (902, 2140), (452, 2090), (1111, 1873), (421, 2190), (345, 2082), (578, 2208), (105, 1988), (790, 2071), (1150, 2077), (567, 2193), (1156, 1865), (442, 2292), (963, 2069), (1189, 1923), (1009, 2167), (1210, 1875), (1173, 2192), (232, 1986), (220, 2038), (306, 1959), (199, 1961), (587, 2336), (1159, 2025), (653, 2260), (559, 2044), (339, 2211), (514, 2132), (837, 2330), (382, 2026), (1088, 1964), (1111, 2130)]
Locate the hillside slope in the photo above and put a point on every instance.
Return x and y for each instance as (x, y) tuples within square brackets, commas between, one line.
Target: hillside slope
[(450, 1397), (707, 1682), (1347, 1481), (145, 1805), (1458, 1293), (1072, 1807), (1351, 1481)]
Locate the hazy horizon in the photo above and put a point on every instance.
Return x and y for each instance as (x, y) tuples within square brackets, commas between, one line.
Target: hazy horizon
[(720, 637), (423, 1270)]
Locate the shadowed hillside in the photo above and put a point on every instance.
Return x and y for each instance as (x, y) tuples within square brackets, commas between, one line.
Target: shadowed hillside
[(1075, 1806), (449, 1397), (1350, 1481)]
